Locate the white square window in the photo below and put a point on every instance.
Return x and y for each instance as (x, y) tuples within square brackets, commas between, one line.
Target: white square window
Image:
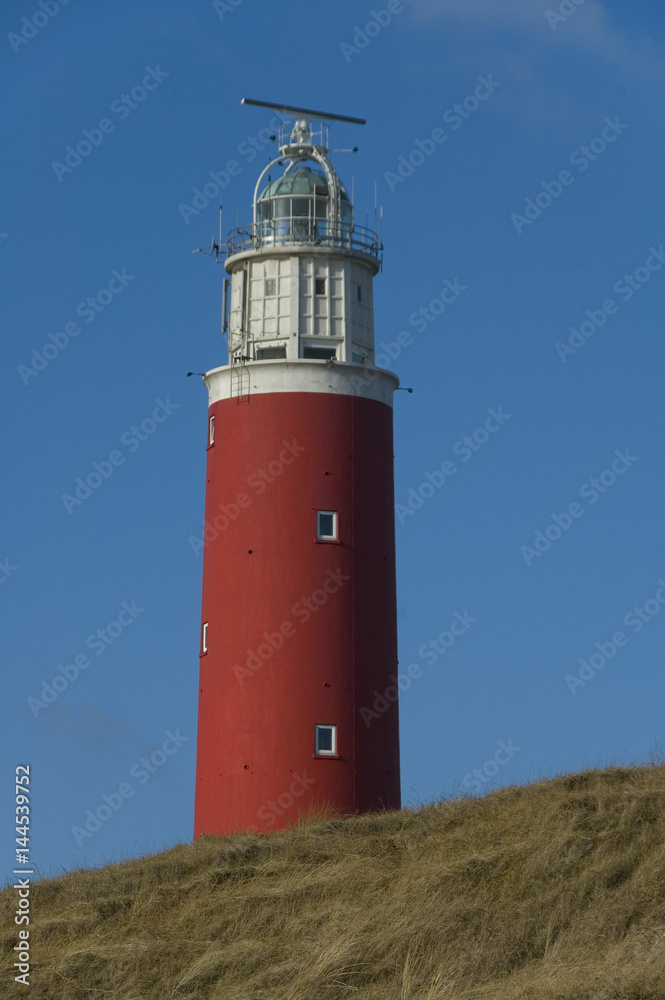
[(325, 739), (204, 638), (326, 525), (211, 429), (270, 286)]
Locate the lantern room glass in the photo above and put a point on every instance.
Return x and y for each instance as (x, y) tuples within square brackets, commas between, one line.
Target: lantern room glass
[(296, 207)]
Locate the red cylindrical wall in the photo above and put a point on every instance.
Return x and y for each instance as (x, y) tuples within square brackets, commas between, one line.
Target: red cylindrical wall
[(300, 632)]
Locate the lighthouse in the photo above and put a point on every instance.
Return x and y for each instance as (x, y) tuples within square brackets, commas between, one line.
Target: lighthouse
[(298, 643)]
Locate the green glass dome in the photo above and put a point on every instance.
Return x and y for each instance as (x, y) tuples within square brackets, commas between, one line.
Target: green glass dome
[(302, 181)]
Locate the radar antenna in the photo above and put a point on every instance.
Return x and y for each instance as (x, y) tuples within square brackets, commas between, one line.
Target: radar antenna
[(287, 109)]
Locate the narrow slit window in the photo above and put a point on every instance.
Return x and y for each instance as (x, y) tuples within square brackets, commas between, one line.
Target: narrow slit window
[(319, 286), (325, 740), (268, 353), (211, 429), (360, 294), (326, 525), (204, 638)]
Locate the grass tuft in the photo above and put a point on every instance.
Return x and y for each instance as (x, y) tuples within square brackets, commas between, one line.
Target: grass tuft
[(553, 891)]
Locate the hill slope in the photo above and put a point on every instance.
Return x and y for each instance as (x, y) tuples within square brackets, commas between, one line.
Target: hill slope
[(555, 890)]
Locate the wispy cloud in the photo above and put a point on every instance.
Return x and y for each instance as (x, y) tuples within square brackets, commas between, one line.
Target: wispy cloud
[(545, 63), (93, 731), (588, 26)]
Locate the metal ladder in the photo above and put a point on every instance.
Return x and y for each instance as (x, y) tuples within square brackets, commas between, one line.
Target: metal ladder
[(240, 382)]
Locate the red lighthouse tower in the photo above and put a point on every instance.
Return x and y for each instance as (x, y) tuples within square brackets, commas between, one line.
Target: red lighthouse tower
[(298, 631)]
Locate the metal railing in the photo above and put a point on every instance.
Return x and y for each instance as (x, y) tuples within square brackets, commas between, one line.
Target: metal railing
[(301, 229)]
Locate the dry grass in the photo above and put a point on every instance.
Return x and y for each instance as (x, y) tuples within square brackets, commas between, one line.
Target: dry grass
[(555, 891)]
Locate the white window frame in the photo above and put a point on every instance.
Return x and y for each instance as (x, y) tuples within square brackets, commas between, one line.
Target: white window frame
[(326, 538), (325, 753), (204, 637), (211, 429)]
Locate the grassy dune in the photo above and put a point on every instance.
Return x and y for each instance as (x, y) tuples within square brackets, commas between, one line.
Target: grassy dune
[(554, 890)]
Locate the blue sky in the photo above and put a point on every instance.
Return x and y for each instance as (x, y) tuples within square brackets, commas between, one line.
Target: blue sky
[(113, 229)]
